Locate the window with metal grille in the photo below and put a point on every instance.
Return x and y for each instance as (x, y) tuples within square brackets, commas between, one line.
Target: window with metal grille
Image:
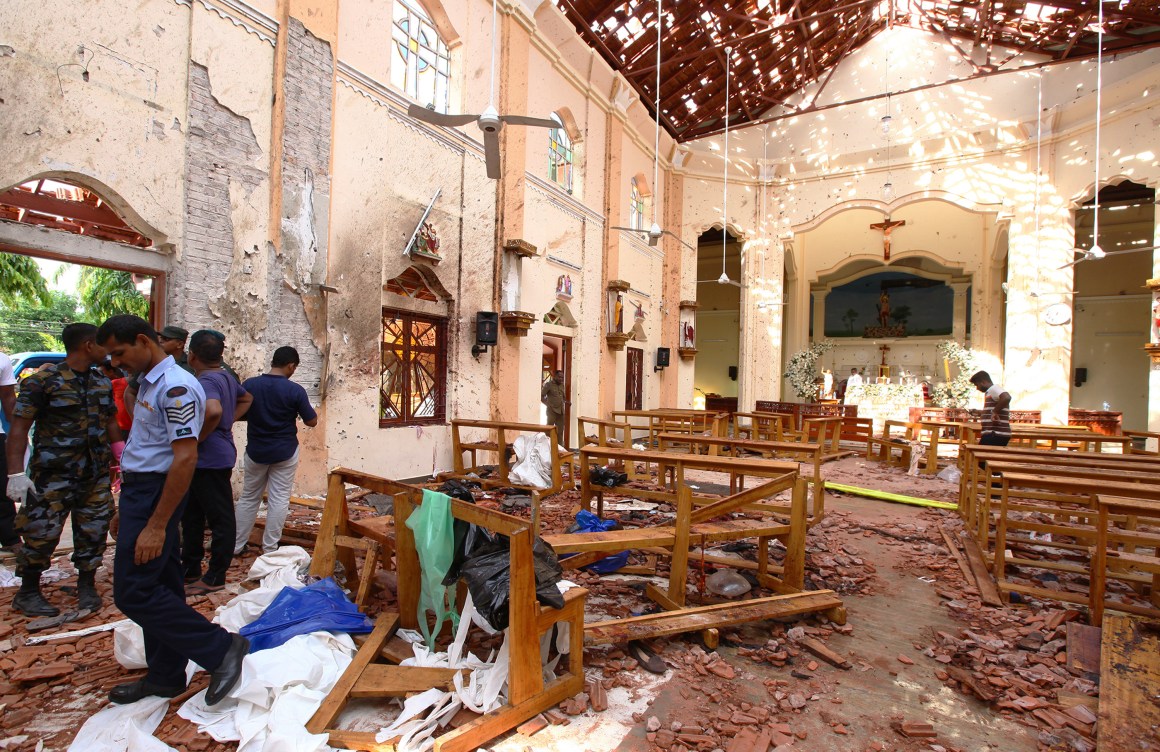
[(413, 377), (560, 155), (421, 66)]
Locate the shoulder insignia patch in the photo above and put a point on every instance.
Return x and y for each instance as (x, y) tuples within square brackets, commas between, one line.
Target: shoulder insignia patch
[(183, 414), (176, 391), (181, 432)]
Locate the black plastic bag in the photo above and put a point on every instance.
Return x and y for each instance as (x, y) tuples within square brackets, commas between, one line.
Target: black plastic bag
[(488, 575), (457, 489), (605, 476)]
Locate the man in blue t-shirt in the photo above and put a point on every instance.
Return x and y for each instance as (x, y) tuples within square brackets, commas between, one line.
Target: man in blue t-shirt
[(272, 447), (211, 496)]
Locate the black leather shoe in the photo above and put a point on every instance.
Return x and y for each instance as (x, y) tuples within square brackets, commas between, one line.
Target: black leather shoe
[(32, 603), (225, 676), (123, 694)]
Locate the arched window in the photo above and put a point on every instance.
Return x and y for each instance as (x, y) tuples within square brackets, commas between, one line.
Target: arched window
[(420, 66), (635, 207), (560, 155)]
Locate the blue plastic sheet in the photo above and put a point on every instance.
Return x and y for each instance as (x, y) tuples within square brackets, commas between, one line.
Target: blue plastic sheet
[(320, 607), (590, 523)]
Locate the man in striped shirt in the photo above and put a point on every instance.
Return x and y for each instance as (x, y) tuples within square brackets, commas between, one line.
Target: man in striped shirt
[(996, 410)]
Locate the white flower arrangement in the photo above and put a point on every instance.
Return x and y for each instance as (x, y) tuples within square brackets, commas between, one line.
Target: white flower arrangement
[(956, 393), (801, 370)]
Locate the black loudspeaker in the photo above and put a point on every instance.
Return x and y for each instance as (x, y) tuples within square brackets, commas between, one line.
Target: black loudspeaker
[(662, 357), (486, 328), (733, 372), (1080, 376)]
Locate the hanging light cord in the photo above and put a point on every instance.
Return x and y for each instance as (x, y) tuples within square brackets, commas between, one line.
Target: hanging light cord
[(1099, 102), (657, 135), (725, 192)]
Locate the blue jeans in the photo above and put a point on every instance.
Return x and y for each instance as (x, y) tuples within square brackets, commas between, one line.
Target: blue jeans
[(153, 594)]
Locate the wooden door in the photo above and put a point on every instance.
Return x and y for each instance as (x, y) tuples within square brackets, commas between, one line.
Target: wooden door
[(634, 379)]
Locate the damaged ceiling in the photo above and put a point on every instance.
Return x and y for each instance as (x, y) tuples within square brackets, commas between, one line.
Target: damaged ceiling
[(781, 46)]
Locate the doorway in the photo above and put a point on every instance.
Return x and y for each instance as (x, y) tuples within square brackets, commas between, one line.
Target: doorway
[(634, 379), (557, 356)]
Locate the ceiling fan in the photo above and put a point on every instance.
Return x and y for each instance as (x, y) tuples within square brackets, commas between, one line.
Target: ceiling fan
[(655, 233), (1095, 253), (489, 121)]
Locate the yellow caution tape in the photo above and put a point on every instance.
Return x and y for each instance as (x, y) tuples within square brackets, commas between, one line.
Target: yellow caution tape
[(885, 496)]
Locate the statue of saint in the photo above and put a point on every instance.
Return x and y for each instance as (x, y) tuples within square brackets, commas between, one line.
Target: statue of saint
[(1156, 320), (884, 309), (619, 317)]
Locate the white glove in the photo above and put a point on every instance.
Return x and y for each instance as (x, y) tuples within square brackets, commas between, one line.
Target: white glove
[(19, 485)]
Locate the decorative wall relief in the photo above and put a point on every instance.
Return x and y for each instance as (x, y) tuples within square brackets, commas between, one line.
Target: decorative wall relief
[(564, 287)]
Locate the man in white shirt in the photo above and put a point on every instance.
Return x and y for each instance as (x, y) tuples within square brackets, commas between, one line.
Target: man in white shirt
[(9, 540)]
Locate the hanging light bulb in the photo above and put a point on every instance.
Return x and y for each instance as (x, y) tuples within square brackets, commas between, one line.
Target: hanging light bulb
[(724, 278), (886, 121)]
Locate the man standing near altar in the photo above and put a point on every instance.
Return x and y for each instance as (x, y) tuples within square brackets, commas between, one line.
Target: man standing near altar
[(996, 411)]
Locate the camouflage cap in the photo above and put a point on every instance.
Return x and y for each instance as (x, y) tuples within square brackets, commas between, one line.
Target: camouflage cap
[(174, 332)]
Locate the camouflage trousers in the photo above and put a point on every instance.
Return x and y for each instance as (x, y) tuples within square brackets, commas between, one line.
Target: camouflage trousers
[(40, 521)]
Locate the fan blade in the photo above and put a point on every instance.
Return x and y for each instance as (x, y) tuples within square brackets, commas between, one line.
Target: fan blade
[(679, 240), (419, 112), (525, 120), (1130, 250), (635, 230), (491, 153)]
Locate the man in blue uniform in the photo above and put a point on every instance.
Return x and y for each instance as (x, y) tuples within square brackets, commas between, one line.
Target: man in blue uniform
[(156, 468)]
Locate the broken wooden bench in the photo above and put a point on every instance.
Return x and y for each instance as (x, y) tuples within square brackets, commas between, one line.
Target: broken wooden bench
[(368, 678), (701, 521)]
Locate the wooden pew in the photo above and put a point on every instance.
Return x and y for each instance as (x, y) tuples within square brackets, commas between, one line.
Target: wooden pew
[(976, 492), (762, 426), (810, 454), (1125, 557), (882, 448), (701, 521), (1149, 439), (365, 677), (1070, 498), (858, 431), (672, 420), (501, 436)]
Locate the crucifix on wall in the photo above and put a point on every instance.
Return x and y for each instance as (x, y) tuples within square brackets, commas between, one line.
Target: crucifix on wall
[(887, 226)]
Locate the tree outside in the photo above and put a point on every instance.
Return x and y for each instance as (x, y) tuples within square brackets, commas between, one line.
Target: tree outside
[(30, 326), (900, 314), (32, 315), (849, 317)]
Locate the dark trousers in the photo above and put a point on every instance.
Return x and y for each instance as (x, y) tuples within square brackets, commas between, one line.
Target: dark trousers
[(210, 503), (991, 439), (8, 534), (153, 594)]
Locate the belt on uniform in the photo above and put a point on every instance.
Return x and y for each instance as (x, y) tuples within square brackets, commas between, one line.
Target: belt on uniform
[(131, 476)]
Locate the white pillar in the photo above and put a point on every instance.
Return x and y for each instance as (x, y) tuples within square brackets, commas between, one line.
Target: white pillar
[(820, 314), (959, 316)]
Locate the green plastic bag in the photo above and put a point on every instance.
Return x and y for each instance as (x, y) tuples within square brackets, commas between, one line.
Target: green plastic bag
[(435, 543)]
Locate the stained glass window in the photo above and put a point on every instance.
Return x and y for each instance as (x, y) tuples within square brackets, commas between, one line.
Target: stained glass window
[(420, 65), (635, 207), (560, 155), (414, 369)]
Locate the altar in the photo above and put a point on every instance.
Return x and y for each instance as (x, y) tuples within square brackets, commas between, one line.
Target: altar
[(883, 402)]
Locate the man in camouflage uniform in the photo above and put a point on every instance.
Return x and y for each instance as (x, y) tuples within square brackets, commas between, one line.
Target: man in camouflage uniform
[(76, 438)]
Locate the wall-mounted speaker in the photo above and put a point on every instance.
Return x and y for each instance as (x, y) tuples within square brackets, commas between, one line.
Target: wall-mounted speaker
[(1080, 376), (662, 357), (486, 328), (733, 372)]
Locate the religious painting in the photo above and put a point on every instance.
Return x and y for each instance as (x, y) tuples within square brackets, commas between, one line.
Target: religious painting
[(890, 304)]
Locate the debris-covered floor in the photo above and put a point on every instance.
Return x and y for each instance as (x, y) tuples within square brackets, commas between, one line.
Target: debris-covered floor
[(918, 655)]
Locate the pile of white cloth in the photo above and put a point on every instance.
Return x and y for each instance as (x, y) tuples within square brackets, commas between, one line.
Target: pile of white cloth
[(279, 690)]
